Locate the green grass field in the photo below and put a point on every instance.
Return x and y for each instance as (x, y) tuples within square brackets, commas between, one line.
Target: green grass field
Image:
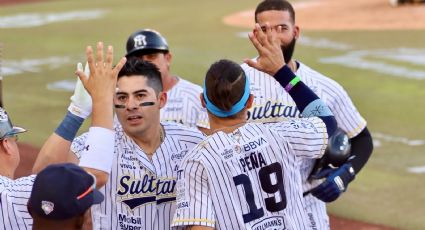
[(384, 191)]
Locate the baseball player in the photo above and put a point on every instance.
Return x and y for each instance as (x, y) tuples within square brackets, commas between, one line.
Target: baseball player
[(183, 105), (13, 205), (246, 175), (140, 192), (15, 193), (272, 104)]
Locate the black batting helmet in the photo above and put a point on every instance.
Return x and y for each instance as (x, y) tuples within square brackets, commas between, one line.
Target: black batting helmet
[(145, 41), (336, 154)]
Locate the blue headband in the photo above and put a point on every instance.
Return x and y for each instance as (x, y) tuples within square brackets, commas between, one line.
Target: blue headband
[(236, 108)]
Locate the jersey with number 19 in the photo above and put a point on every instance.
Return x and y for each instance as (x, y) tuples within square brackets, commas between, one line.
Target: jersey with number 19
[(273, 104), (13, 201), (250, 178), (140, 192)]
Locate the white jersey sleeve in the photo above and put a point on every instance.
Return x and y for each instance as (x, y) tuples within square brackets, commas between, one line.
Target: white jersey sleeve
[(184, 105), (346, 114), (14, 199), (307, 136), (194, 205), (78, 144)]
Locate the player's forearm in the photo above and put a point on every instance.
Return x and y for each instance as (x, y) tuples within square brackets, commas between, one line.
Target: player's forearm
[(306, 100), (361, 149), (55, 150)]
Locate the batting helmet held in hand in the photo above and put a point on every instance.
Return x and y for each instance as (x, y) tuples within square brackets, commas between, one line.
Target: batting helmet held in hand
[(145, 41), (336, 153)]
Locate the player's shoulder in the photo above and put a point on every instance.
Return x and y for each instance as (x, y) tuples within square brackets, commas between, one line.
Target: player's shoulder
[(20, 184), (312, 77), (178, 130), (187, 85)]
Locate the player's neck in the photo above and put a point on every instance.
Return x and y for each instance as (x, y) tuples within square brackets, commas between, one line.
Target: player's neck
[(226, 125), (150, 140), (169, 82), (6, 169)]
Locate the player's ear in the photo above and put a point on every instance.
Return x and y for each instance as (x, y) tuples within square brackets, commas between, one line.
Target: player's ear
[(162, 99), (168, 56), (250, 101), (6, 145), (201, 96), (297, 32)]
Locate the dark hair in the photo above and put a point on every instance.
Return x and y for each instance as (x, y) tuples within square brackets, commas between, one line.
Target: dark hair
[(225, 83), (137, 67), (280, 5)]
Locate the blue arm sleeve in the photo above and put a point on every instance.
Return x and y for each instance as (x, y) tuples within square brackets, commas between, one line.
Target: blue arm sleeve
[(306, 100)]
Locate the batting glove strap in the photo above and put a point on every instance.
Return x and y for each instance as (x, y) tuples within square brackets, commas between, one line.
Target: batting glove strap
[(335, 184)]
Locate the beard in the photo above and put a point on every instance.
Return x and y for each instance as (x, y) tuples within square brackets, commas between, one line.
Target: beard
[(288, 50)]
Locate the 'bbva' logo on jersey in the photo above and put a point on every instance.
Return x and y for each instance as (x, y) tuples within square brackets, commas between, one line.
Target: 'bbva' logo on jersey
[(254, 144), (140, 191)]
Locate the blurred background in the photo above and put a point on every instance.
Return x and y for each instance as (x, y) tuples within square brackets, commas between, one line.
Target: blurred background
[(374, 49)]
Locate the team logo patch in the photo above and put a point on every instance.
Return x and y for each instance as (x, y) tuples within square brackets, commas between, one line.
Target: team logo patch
[(3, 115), (237, 149), (47, 207), (139, 40)]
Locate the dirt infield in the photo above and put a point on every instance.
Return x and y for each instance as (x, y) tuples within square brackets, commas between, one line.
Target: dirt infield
[(346, 15)]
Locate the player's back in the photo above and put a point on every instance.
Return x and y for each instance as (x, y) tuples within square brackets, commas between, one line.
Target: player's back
[(253, 177), (14, 195)]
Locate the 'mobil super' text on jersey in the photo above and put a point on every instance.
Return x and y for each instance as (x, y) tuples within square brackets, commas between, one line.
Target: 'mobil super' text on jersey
[(140, 193)]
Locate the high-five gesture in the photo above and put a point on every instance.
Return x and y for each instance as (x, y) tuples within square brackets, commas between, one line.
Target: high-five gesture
[(103, 76), (101, 83), (270, 58)]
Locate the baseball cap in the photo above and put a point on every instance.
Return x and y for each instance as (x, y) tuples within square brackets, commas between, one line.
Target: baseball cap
[(63, 191), (6, 127)]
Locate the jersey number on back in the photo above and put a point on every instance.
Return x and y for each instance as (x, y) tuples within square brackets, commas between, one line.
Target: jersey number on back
[(268, 186)]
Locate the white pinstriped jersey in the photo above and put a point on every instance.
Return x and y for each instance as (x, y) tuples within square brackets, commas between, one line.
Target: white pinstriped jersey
[(14, 198), (140, 193), (250, 178), (272, 103), (184, 106)]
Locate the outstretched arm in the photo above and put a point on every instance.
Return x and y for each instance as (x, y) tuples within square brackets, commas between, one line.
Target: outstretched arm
[(97, 158), (271, 61), (60, 141)]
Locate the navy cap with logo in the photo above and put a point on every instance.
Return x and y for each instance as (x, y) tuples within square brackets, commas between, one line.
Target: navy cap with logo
[(6, 127), (63, 191)]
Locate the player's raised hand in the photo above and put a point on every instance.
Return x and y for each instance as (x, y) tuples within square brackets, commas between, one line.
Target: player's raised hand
[(103, 76), (270, 57)]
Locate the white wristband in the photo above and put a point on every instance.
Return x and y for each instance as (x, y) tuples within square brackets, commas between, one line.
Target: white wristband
[(99, 149)]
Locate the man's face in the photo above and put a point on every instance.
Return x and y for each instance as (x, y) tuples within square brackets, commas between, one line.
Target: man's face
[(131, 93), (161, 60), (289, 34)]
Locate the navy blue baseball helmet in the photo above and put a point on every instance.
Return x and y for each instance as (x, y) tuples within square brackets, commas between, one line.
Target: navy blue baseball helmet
[(145, 41)]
